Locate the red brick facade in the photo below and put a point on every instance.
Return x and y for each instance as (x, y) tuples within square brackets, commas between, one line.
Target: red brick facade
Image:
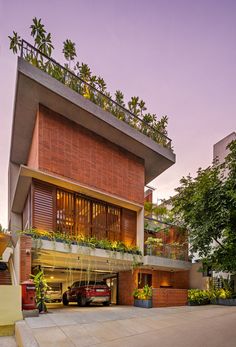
[(164, 297), (174, 296), (64, 148), (25, 257)]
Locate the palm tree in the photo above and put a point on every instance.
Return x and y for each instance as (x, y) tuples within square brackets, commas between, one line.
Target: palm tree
[(37, 31), (101, 84), (69, 51), (15, 42), (118, 111), (42, 41), (142, 107)]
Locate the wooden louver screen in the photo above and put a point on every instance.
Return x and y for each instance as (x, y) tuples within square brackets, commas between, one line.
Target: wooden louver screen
[(71, 213), (78, 215), (65, 212), (43, 216), (114, 223), (82, 216), (129, 226)]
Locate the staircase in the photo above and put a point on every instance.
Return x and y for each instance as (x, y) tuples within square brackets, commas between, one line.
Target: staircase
[(5, 277)]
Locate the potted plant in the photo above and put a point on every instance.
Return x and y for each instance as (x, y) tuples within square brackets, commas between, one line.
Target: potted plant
[(143, 297), (154, 245), (41, 289)]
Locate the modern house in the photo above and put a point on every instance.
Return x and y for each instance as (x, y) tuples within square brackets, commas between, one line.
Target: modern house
[(78, 173)]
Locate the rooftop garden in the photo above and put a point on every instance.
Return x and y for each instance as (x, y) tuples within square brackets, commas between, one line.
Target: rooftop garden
[(79, 77)]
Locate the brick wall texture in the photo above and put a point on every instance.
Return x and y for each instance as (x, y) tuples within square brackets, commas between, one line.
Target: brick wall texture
[(175, 296), (25, 257), (65, 148)]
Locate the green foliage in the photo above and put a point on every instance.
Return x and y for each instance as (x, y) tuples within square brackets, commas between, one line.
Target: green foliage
[(69, 50), (206, 207), (154, 241), (144, 293), (202, 297), (159, 212), (82, 240), (15, 42), (154, 245), (41, 289), (1, 229), (147, 123), (198, 296), (42, 40)]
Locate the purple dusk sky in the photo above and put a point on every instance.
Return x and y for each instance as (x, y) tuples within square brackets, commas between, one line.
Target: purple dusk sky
[(178, 55)]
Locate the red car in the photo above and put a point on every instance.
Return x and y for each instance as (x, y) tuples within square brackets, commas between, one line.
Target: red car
[(85, 293)]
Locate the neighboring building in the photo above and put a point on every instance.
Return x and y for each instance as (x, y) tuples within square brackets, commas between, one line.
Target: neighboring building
[(76, 169), (220, 152)]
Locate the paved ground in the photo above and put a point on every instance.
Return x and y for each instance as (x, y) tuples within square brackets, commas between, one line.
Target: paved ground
[(204, 326), (7, 341)]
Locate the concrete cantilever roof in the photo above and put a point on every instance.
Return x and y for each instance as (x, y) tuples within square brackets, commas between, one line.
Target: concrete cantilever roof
[(36, 87)]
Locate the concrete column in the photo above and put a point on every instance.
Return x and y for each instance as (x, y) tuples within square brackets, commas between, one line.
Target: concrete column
[(15, 222), (140, 229)]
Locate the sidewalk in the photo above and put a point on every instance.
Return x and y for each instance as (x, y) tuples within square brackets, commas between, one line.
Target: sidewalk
[(205, 326), (7, 341)]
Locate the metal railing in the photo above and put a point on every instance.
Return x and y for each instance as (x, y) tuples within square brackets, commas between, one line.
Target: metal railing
[(70, 79), (167, 251)]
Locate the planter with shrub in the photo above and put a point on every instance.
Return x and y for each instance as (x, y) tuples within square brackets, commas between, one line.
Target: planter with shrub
[(143, 297)]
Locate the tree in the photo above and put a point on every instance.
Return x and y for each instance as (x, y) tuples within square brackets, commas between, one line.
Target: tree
[(69, 51), (206, 207)]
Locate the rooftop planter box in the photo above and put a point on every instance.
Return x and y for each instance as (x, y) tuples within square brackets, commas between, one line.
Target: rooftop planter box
[(82, 241)]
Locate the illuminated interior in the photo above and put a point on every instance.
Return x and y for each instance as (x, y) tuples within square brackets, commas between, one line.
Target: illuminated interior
[(79, 215)]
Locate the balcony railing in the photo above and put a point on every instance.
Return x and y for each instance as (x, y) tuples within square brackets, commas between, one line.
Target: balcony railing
[(167, 251), (70, 79), (164, 240)]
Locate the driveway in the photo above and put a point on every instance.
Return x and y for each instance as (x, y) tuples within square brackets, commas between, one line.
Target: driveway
[(205, 326)]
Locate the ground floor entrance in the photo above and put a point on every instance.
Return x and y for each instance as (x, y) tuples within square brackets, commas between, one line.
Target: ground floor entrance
[(64, 265)]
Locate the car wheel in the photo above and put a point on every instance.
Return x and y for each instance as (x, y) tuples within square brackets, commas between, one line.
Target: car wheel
[(65, 300), (81, 300), (106, 303)]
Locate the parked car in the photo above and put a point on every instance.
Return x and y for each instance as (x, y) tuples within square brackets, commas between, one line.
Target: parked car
[(85, 293), (53, 296)]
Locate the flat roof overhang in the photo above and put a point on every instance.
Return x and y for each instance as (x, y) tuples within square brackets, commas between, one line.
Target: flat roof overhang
[(34, 87), (168, 264), (52, 255), (26, 175)]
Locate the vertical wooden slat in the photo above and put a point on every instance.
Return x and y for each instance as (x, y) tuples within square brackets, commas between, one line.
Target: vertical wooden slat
[(43, 213)]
